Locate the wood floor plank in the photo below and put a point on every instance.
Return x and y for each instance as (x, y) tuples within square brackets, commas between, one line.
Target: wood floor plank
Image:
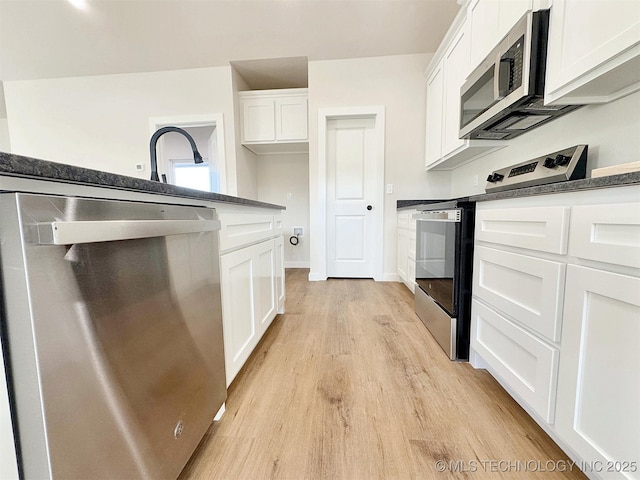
[(349, 384)]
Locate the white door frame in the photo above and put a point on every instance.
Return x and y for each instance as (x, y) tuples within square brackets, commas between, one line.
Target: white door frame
[(200, 120), (325, 114)]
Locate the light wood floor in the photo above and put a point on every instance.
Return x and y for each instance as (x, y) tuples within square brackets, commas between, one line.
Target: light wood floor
[(349, 384)]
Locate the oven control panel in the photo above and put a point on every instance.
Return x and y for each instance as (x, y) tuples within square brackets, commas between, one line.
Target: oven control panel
[(560, 166)]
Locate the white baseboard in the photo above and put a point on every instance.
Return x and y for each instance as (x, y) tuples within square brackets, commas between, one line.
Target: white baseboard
[(391, 277), (315, 277), (301, 264)]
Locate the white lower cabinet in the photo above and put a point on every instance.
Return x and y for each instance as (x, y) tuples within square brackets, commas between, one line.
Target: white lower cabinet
[(248, 282), (598, 405), (279, 273), (252, 281), (556, 318), (406, 248)]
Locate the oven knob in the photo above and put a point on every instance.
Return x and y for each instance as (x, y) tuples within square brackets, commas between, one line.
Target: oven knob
[(490, 178), (495, 177), (549, 162), (562, 160)]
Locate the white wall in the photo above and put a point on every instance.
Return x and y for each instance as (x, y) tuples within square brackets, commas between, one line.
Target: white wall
[(5, 145), (611, 130), (102, 122), (246, 160), (397, 83), (279, 175)]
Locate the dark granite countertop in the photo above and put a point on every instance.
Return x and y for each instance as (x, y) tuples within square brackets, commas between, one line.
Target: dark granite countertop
[(26, 167), (563, 187), (560, 187), (400, 204)]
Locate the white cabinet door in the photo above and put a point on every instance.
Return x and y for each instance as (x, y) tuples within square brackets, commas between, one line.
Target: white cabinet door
[(594, 51), (403, 253), (274, 116), (248, 285), (291, 118), (411, 275), (484, 17), (599, 385), (238, 271), (258, 120), (510, 12), (435, 104), (280, 275), (456, 68), (490, 21), (265, 278)]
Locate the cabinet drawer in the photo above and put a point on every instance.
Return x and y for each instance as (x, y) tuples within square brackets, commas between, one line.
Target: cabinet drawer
[(528, 289), (539, 228), (244, 229), (606, 233), (528, 365)]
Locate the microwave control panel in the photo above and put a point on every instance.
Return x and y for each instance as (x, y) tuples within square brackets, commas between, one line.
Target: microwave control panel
[(560, 166)]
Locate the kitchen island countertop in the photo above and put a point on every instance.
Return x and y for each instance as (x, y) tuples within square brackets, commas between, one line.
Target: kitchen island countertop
[(18, 173)]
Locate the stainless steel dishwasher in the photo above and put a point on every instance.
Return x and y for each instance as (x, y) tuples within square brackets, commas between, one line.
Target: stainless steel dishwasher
[(112, 320)]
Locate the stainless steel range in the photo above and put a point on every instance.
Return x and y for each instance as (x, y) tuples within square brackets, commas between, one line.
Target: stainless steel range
[(444, 261)]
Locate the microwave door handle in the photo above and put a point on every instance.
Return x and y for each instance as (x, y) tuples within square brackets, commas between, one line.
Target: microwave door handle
[(501, 76), (68, 233)]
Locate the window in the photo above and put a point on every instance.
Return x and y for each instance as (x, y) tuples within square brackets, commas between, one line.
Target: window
[(186, 173)]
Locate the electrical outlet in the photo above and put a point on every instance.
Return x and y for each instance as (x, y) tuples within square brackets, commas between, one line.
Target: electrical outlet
[(389, 188), (289, 196), (298, 231), (139, 167), (475, 180)]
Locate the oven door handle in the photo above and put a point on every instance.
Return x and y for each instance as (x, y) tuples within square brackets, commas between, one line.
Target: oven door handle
[(68, 233), (447, 216)]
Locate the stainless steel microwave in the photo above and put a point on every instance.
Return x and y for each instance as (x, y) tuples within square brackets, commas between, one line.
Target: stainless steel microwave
[(504, 96)]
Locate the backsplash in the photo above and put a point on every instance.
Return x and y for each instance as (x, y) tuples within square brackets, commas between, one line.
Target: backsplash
[(610, 130)]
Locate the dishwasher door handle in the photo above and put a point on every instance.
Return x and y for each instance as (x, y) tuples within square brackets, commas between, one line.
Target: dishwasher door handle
[(68, 233)]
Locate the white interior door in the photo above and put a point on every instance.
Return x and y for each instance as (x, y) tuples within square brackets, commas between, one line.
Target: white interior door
[(351, 180)]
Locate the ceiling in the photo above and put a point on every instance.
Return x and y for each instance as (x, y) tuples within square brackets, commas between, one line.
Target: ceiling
[(52, 38)]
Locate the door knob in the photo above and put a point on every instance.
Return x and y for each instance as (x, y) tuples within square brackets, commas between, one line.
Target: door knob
[(369, 207)]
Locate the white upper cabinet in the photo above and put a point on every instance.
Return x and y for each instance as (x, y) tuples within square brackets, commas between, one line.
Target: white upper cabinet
[(456, 61), (275, 120), (594, 51), (483, 28), (490, 21), (444, 149), (435, 102)]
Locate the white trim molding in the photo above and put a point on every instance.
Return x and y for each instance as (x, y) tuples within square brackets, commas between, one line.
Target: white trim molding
[(318, 218), (226, 169)]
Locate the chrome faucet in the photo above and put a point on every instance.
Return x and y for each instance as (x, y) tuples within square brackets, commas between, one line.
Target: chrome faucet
[(197, 158)]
